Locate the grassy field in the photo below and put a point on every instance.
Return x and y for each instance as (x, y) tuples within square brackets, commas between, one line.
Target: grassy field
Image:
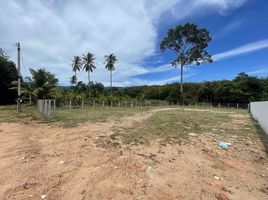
[(174, 125), (64, 116)]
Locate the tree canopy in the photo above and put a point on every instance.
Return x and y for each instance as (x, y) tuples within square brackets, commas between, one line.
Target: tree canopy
[(8, 74), (189, 43)]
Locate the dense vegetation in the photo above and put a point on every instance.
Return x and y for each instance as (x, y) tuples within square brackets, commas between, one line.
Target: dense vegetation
[(43, 84), (8, 73)]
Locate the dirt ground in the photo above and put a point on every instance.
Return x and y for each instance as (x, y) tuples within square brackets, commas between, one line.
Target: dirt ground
[(38, 161)]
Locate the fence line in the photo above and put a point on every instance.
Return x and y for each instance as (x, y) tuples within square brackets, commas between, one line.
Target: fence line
[(132, 104)]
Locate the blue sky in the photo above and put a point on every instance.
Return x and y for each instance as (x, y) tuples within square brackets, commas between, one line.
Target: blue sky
[(52, 32)]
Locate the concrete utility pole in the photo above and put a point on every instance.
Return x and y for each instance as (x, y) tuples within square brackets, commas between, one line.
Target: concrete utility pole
[(19, 79)]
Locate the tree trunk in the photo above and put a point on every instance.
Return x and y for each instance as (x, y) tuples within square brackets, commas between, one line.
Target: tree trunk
[(111, 81), (30, 99), (75, 78), (88, 83), (181, 86)]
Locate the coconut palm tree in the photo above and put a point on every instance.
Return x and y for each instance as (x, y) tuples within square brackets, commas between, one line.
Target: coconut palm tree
[(89, 65), (76, 65), (110, 61), (73, 80), (41, 84)]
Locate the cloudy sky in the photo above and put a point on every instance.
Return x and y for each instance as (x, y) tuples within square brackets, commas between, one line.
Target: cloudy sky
[(51, 32)]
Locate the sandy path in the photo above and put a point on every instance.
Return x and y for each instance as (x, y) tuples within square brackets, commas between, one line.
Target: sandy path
[(66, 164)]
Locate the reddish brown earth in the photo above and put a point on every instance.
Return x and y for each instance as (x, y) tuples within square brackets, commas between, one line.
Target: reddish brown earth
[(37, 159)]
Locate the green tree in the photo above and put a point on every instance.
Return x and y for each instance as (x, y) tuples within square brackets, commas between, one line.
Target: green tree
[(8, 74), (89, 65), (43, 83), (110, 61), (189, 43), (76, 65)]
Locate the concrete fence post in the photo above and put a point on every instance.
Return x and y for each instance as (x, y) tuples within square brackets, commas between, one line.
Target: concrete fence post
[(70, 104)]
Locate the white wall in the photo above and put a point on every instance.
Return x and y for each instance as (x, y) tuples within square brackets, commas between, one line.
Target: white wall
[(259, 110)]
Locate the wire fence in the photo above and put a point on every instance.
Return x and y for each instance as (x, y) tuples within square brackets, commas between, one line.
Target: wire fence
[(145, 103), (46, 106)]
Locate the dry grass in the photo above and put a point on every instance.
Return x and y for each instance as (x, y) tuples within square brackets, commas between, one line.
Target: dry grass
[(64, 116)]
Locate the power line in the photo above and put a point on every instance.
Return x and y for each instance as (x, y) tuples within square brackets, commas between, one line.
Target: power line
[(7, 44)]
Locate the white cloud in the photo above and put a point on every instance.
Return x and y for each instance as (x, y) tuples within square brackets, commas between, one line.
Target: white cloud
[(250, 47), (52, 32), (259, 72)]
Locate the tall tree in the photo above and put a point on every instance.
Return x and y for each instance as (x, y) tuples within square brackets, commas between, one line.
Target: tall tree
[(189, 43), (76, 65), (110, 61), (89, 65), (73, 80)]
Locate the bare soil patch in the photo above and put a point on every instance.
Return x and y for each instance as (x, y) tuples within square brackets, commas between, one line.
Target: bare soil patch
[(70, 163)]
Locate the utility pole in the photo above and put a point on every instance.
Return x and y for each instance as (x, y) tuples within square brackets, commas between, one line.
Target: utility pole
[(19, 79)]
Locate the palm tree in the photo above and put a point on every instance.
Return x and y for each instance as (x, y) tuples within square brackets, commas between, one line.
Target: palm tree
[(43, 82), (110, 60), (76, 65), (89, 66), (40, 86), (73, 80)]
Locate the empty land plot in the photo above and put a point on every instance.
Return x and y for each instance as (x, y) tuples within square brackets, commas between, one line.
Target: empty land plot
[(126, 153)]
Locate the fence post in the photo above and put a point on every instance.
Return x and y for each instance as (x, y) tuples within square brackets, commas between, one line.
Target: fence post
[(228, 105), (70, 104), (237, 106), (82, 104), (54, 104), (48, 109), (102, 103), (219, 105)]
